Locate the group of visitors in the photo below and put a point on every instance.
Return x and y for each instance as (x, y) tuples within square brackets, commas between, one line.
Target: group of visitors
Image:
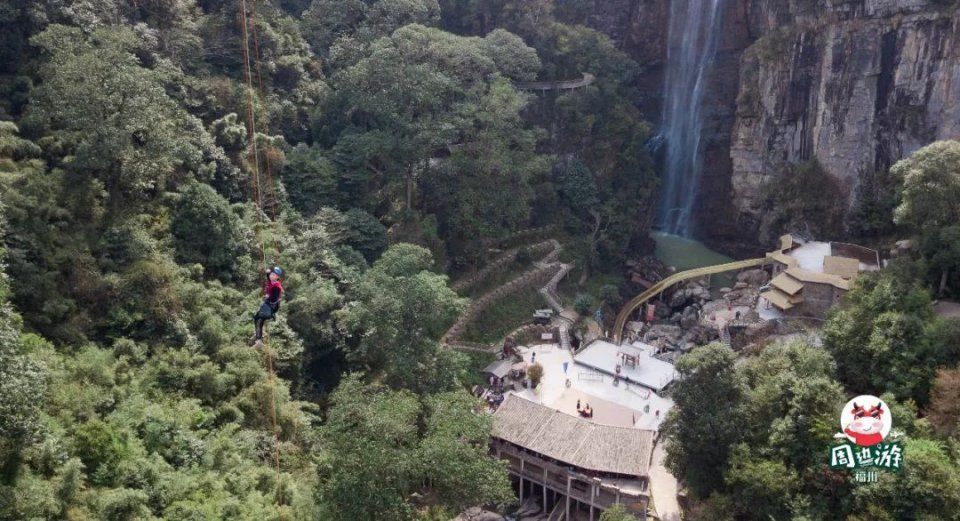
[(493, 394), (586, 411)]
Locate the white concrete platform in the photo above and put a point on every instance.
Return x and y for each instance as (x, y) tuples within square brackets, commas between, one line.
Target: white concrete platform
[(810, 255), (651, 372), (619, 405)]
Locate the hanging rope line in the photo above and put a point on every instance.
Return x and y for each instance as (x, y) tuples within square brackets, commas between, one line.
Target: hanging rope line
[(258, 201), (271, 187), (251, 131)]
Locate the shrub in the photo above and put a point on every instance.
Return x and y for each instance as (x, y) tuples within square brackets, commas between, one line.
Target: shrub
[(583, 303), (535, 372), (524, 257)]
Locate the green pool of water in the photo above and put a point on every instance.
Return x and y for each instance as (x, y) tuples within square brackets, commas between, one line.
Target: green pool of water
[(685, 254)]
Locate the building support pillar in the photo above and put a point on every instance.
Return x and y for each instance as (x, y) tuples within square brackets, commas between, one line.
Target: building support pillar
[(545, 488), (567, 517), (592, 489), (522, 460)]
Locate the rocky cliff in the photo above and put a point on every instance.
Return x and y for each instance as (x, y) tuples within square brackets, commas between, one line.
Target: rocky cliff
[(855, 84)]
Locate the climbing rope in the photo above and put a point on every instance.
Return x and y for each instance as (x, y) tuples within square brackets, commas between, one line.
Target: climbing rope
[(258, 201), (251, 132), (272, 208)]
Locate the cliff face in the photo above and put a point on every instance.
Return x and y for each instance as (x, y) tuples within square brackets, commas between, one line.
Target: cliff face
[(639, 27), (856, 85)]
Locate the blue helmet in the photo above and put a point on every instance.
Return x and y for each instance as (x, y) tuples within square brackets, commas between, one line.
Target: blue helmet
[(278, 271)]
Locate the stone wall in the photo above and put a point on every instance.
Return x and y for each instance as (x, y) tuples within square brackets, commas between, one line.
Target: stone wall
[(817, 300)]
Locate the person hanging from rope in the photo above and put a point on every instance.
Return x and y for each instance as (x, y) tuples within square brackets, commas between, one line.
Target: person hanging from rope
[(273, 294)]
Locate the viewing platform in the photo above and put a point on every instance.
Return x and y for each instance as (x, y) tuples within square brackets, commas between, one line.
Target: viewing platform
[(648, 371)]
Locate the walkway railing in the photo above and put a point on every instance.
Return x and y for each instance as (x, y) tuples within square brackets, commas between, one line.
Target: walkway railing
[(667, 282)]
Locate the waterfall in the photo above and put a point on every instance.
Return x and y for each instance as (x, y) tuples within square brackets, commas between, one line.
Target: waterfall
[(692, 41)]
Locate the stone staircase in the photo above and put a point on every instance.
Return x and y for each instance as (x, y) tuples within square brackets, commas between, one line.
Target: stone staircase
[(564, 335), (725, 336)]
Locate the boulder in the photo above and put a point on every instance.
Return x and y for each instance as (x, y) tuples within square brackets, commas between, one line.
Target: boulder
[(478, 514), (686, 295), (689, 317), (755, 277), (669, 334)]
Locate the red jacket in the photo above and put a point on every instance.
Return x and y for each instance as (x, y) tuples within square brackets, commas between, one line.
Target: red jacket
[(273, 292)]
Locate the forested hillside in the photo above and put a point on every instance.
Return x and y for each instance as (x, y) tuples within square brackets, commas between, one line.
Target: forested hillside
[(156, 156), (160, 158)]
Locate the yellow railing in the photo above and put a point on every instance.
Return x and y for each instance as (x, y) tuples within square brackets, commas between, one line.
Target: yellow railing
[(680, 276)]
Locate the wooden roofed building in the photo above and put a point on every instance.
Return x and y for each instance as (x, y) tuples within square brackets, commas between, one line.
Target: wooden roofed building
[(811, 277), (574, 464)]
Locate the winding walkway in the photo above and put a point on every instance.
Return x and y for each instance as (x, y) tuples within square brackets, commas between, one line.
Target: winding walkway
[(548, 291), (663, 487), (543, 86), (678, 277)]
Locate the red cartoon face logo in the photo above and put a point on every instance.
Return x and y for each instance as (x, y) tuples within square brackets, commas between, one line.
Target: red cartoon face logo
[(866, 420)]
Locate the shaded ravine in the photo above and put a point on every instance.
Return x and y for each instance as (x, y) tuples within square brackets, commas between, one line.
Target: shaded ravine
[(692, 42)]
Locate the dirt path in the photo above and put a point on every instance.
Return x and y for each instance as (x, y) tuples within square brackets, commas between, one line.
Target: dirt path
[(663, 487)]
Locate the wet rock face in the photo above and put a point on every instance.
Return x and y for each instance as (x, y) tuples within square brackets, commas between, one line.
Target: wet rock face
[(856, 85)]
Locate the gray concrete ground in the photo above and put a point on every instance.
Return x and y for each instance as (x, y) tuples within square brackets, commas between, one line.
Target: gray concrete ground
[(663, 487)]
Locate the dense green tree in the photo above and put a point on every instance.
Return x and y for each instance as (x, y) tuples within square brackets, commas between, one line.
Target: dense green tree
[(763, 487), (617, 512), (792, 402), (111, 113), (941, 247), (412, 94), (596, 128), (365, 234), (314, 176), (706, 421), (930, 186), (370, 436), (762, 425), (885, 337), (377, 457), (22, 381), (207, 231), (400, 311), (928, 487), (454, 454), (495, 149), (343, 29)]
